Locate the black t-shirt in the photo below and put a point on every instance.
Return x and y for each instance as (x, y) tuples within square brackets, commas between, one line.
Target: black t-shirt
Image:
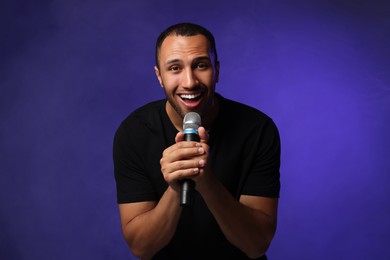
[(244, 156)]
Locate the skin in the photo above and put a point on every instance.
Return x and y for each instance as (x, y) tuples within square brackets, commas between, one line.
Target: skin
[(186, 66)]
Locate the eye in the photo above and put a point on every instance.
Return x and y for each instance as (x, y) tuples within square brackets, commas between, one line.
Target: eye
[(174, 68), (202, 66)]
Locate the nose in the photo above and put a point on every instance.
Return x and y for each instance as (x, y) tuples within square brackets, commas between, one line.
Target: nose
[(189, 79)]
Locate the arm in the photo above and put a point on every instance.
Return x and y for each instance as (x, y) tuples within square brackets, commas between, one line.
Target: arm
[(149, 226), (249, 223)]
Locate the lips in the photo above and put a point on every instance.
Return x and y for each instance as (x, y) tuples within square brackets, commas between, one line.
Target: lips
[(191, 100), (190, 97)]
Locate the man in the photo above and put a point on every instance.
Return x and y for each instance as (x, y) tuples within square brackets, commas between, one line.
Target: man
[(235, 166)]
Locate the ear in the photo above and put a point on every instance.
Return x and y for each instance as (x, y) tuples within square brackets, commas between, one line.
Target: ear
[(217, 66), (157, 71)]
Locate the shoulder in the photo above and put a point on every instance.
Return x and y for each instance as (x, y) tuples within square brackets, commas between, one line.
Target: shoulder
[(140, 121), (241, 114), (146, 115), (146, 112)]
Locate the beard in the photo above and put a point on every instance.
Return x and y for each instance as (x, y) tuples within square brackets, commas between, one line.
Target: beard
[(204, 109), (175, 107)]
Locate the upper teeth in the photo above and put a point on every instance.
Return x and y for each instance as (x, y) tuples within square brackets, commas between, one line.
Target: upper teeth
[(190, 96)]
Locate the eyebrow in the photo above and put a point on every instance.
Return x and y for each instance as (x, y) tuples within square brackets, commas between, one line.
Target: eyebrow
[(195, 60), (172, 61), (202, 58)]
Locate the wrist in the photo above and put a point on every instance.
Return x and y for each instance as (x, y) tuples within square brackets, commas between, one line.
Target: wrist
[(207, 184)]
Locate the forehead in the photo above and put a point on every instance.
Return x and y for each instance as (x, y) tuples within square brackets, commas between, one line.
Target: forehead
[(183, 46)]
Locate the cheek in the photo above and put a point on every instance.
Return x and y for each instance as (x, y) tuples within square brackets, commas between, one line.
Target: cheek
[(170, 82), (210, 79)]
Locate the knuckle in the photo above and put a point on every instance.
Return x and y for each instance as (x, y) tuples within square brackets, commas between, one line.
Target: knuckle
[(180, 164)]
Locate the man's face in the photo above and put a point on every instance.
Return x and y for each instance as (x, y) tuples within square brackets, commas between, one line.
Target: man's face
[(188, 74)]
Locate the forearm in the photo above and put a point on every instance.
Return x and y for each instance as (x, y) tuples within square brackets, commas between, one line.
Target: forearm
[(149, 232), (248, 229)]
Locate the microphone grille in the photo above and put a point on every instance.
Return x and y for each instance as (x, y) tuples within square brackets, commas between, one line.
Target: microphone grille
[(192, 120)]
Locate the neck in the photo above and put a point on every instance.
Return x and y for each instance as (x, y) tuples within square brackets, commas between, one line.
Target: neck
[(207, 119)]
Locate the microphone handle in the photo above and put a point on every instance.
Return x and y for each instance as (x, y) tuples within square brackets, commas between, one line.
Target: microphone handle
[(186, 192), (187, 185)]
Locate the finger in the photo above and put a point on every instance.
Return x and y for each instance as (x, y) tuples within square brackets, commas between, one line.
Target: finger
[(194, 163), (179, 137), (187, 153), (181, 174), (180, 169), (177, 146), (182, 151), (204, 136)]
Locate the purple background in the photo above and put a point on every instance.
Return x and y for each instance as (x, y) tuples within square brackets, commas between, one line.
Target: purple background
[(70, 71)]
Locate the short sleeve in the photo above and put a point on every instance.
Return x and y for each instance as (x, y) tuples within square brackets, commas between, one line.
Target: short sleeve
[(132, 182), (264, 174)]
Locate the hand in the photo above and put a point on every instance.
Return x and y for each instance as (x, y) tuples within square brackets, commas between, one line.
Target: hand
[(185, 159), (204, 176)]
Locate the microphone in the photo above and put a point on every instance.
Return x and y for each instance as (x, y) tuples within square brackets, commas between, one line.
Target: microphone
[(191, 123)]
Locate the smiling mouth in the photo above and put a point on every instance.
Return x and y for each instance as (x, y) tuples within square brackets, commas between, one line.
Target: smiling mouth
[(190, 97)]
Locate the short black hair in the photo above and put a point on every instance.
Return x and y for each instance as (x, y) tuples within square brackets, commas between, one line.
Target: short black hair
[(186, 29)]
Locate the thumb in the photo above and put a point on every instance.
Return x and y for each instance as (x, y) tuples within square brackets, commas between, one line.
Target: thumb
[(204, 136), (179, 137)]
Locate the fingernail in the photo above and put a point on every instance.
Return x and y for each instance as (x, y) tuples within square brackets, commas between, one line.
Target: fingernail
[(201, 163)]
